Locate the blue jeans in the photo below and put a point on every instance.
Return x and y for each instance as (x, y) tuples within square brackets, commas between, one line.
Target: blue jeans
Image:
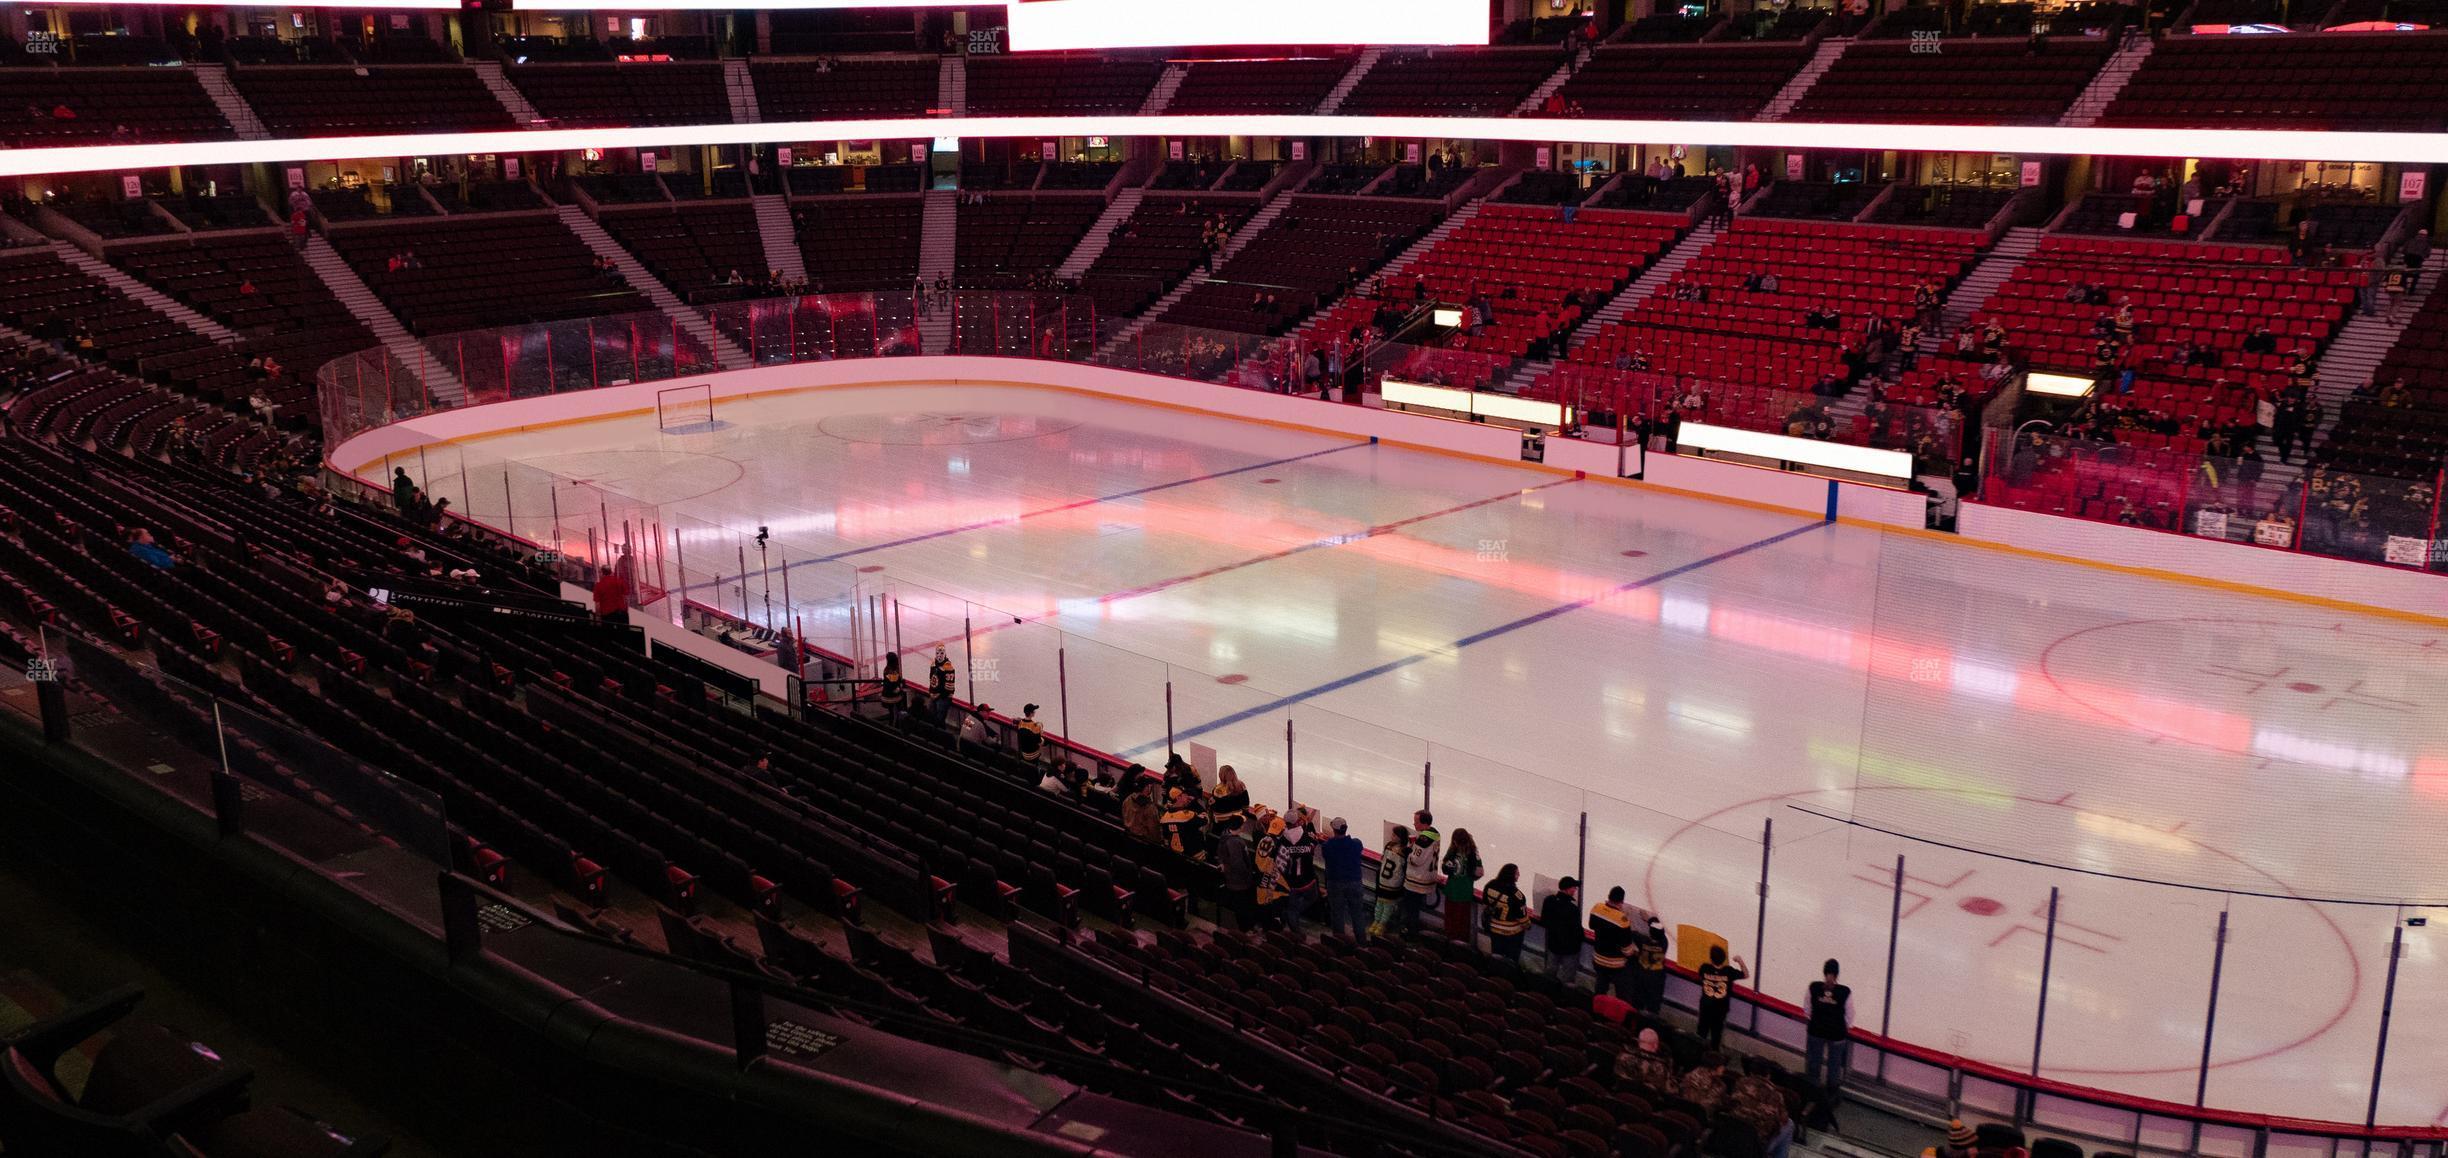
[(1296, 903), (1824, 1062), (1347, 909)]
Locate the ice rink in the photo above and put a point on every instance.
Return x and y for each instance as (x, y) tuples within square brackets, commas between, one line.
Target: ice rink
[(1525, 650)]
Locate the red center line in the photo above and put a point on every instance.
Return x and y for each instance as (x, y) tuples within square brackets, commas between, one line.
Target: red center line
[(1331, 541)]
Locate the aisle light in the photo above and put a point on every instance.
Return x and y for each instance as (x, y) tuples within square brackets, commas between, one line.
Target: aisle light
[(2258, 144)]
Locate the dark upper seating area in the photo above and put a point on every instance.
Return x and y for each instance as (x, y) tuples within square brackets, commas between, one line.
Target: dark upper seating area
[(1344, 178), (1013, 240), (1817, 200), (1056, 83), (821, 180), (860, 243), (257, 285), (622, 188), (1666, 28), (106, 105), (2395, 81), (1155, 247), (2105, 213), (1485, 82), (227, 211), (1731, 82), (588, 95), (695, 248), (331, 102), (1319, 248), (847, 30), (486, 197), (1967, 81), (805, 90), (485, 271), (1948, 206), (1258, 86), (45, 296)]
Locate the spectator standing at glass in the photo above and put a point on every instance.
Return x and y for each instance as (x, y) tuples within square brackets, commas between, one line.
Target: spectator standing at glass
[(1462, 872), (1346, 883), (1508, 914)]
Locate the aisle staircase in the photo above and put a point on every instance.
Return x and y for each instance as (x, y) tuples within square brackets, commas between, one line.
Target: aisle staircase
[(369, 310), (779, 237), (741, 88), (2354, 355), (1613, 309), (1547, 88), (1257, 224), (726, 352), (952, 86), (939, 256), (159, 302), (2013, 248), (234, 109), (1167, 83), (1092, 244), (490, 72), (1453, 223), (1821, 60), (2103, 89), (1343, 88)]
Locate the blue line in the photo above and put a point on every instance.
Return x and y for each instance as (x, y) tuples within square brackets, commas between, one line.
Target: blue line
[(1530, 620), (1007, 520)]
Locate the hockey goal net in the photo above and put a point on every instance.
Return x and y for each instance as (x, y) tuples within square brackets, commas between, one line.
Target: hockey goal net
[(683, 408)]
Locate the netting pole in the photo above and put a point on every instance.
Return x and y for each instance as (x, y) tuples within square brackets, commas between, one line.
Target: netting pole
[(2431, 536), (2218, 965), (743, 583), (2048, 960), (1168, 717), (552, 376), (594, 359), (509, 508), (1062, 690), (1895, 926), (507, 390), (788, 608), (553, 490), (2388, 1009), (896, 623), (1759, 933), (1291, 791), (634, 375), (463, 374), (679, 564)]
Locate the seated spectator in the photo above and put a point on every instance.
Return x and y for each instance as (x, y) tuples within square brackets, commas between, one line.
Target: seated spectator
[(1646, 1064), (141, 545)]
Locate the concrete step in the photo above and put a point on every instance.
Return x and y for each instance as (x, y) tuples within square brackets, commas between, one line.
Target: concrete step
[(1367, 60), (1822, 59), (779, 236), (741, 88), (1092, 244), (490, 72), (153, 299), (214, 78), (726, 352), (938, 248), (363, 304)]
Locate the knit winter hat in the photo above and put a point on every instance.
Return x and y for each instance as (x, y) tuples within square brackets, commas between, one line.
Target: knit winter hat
[(1959, 1135)]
